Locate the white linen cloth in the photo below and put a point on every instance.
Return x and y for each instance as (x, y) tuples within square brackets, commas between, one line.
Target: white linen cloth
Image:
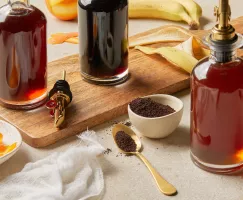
[(71, 175)]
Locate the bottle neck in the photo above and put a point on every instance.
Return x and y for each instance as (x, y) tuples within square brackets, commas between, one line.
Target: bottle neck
[(19, 7), (224, 51), (15, 3), (223, 57)]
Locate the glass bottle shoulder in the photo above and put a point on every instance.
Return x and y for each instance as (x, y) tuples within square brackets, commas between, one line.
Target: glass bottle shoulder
[(207, 68), (102, 5), (16, 20)]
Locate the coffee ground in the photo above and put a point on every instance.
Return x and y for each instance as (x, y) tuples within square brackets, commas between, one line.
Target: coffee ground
[(107, 151), (125, 142), (146, 107), (128, 124)]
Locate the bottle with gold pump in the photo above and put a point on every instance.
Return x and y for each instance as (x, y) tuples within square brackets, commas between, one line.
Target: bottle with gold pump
[(217, 100)]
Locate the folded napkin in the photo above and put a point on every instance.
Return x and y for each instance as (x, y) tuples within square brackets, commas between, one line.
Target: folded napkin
[(71, 175)]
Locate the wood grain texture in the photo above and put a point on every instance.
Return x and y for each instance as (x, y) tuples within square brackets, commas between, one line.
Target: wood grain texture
[(92, 104)]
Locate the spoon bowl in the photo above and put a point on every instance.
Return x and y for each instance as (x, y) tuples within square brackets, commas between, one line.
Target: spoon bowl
[(128, 131), (165, 187)]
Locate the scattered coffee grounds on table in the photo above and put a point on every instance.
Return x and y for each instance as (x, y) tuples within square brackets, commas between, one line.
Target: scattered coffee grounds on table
[(107, 151), (115, 122), (119, 154), (125, 142), (128, 124), (146, 107)]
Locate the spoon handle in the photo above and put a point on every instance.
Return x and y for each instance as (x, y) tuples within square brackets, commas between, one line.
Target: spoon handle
[(165, 187)]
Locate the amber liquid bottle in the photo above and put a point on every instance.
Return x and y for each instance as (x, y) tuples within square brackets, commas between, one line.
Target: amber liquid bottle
[(23, 62), (217, 101)]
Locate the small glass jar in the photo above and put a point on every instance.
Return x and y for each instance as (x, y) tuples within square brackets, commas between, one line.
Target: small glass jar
[(103, 35), (23, 63)]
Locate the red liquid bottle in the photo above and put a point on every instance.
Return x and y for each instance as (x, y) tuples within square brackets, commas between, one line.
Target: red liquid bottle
[(23, 56), (217, 101)]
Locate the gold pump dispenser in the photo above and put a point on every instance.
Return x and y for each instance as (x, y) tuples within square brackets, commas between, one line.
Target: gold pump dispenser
[(223, 40), (223, 30)]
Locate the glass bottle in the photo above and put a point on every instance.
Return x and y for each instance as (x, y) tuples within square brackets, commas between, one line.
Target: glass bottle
[(103, 35), (23, 63), (217, 101)]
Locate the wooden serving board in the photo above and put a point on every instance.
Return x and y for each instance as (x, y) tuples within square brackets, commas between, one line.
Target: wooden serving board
[(92, 104)]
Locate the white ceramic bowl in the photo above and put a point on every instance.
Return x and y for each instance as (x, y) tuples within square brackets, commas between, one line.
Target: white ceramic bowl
[(158, 127), (10, 136)]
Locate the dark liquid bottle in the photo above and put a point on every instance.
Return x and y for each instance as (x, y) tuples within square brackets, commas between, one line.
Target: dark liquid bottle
[(217, 102), (103, 35), (23, 63)]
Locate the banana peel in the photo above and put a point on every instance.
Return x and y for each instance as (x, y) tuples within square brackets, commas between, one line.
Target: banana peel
[(193, 47), (173, 55), (162, 35), (185, 55)]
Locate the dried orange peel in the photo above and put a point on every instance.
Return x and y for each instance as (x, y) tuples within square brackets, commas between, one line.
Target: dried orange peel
[(5, 149), (59, 38)]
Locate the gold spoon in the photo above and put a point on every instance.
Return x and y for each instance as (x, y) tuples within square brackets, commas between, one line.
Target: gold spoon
[(165, 187)]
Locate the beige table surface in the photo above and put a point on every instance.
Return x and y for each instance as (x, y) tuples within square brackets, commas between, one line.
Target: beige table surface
[(126, 178)]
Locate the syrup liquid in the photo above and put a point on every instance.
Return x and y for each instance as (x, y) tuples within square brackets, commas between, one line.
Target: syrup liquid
[(23, 55), (217, 113), (104, 38)]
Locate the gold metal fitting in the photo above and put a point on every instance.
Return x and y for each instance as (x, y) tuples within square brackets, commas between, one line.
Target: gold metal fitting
[(59, 98), (62, 100), (223, 30)]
